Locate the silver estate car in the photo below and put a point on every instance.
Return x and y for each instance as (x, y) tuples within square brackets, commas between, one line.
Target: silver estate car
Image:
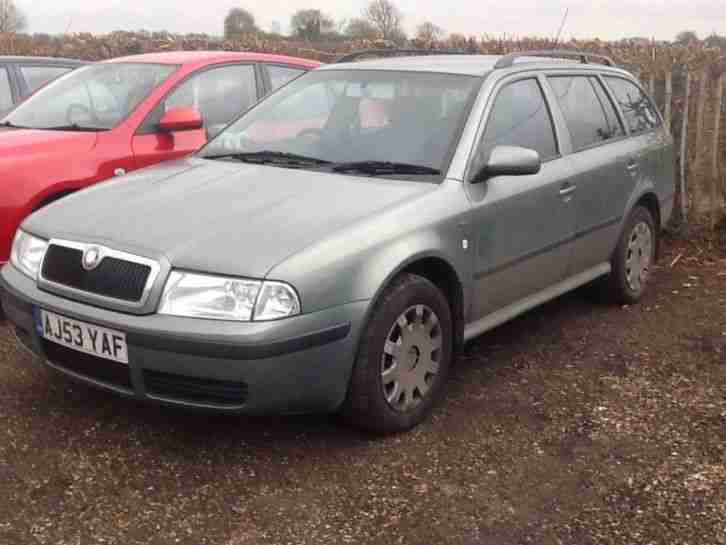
[(333, 248)]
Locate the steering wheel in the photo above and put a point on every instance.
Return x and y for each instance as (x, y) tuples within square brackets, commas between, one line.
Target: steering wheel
[(82, 109), (310, 132)]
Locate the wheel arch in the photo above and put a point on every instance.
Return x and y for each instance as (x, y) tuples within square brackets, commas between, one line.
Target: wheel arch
[(441, 272)]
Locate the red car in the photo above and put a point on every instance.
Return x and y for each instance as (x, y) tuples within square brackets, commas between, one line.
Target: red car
[(112, 117)]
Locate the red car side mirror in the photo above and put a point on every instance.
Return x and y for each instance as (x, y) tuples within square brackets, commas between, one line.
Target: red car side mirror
[(181, 119)]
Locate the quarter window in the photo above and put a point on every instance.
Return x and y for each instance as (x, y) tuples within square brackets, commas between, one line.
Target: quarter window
[(520, 117), (638, 110), (37, 76), (6, 95), (583, 110)]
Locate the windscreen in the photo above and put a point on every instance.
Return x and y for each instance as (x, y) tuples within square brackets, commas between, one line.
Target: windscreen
[(97, 97), (342, 116)]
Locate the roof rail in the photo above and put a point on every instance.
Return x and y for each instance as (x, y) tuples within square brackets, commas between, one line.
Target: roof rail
[(508, 60), (351, 57)]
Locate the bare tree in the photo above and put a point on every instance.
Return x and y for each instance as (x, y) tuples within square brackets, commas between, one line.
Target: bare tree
[(11, 18), (311, 24), (686, 37), (428, 32), (238, 22), (361, 29), (385, 17)]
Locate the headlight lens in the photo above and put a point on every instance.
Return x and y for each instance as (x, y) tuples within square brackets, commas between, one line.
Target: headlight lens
[(27, 253), (277, 300), (224, 298)]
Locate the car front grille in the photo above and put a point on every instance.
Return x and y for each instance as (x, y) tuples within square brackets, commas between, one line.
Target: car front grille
[(98, 369), (195, 390), (113, 277)]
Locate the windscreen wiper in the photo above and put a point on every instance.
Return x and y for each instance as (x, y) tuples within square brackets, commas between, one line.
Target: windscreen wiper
[(11, 125), (384, 168), (75, 127), (271, 157)]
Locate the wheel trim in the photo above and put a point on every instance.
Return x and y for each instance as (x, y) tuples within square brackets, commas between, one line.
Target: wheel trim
[(639, 256), (411, 356)]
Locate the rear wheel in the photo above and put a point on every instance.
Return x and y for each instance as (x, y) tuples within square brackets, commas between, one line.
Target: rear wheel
[(403, 359), (634, 258)]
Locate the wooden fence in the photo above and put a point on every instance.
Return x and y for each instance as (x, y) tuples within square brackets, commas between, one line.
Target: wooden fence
[(687, 82)]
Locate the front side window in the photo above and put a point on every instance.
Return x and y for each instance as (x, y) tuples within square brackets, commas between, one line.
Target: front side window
[(37, 76), (97, 97), (638, 110), (519, 117), (583, 111), (219, 95), (6, 94), (345, 116)]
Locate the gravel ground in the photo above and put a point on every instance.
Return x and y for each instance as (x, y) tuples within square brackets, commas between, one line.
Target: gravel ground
[(579, 423)]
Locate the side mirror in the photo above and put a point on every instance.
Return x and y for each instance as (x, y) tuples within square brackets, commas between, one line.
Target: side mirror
[(181, 119), (509, 161)]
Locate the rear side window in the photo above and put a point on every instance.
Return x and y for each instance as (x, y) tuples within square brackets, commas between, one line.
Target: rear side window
[(638, 110), (583, 110), (519, 117), (6, 95), (609, 107), (37, 76), (280, 75)]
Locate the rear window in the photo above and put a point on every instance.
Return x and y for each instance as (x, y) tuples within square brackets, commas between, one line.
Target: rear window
[(584, 111), (638, 110)]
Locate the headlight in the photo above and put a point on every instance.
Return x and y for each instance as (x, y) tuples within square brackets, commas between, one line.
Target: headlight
[(27, 253), (224, 298)]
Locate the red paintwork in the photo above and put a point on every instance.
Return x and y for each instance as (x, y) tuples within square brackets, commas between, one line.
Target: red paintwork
[(36, 166), (181, 119)]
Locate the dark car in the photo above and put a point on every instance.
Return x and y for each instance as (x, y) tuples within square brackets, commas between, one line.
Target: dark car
[(22, 76)]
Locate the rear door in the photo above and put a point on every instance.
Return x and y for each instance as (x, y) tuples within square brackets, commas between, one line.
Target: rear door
[(651, 159), (523, 225), (219, 93)]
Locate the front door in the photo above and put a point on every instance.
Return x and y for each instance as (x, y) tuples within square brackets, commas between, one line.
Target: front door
[(523, 225), (220, 94)]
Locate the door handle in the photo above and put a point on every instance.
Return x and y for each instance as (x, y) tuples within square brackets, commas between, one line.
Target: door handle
[(632, 166), (567, 189)]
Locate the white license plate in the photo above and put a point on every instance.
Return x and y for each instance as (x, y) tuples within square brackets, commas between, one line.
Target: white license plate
[(81, 336)]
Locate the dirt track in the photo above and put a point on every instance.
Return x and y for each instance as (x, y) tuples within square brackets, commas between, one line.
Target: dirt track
[(580, 423)]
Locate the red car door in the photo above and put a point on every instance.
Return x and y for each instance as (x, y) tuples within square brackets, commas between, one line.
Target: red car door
[(219, 93)]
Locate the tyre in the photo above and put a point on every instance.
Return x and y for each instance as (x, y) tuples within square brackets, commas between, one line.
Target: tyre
[(403, 358), (633, 259)]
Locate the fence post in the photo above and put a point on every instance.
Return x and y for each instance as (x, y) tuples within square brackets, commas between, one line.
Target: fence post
[(699, 191), (684, 149), (668, 98), (715, 182)]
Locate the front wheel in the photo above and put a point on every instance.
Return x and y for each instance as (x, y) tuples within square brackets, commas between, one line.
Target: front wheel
[(403, 359), (634, 258)]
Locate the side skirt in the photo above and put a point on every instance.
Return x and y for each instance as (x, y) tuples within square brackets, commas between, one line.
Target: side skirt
[(505, 314)]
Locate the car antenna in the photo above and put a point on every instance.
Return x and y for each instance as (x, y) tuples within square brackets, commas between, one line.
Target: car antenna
[(562, 26)]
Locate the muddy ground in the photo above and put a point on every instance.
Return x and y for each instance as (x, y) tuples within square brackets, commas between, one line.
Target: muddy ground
[(579, 423)]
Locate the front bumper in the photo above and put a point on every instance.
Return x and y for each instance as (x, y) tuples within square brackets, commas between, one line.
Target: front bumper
[(297, 365)]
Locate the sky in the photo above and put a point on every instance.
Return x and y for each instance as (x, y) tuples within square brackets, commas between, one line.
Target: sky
[(613, 19)]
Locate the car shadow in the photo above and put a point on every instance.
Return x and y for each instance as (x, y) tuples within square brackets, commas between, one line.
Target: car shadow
[(484, 361)]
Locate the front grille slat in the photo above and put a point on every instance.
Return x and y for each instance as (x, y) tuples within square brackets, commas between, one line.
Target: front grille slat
[(200, 390), (99, 369), (114, 277)]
